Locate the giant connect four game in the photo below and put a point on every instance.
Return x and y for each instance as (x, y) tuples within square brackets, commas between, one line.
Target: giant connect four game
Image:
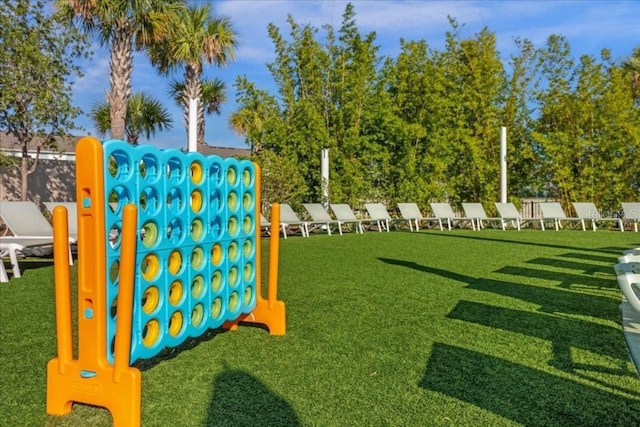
[(168, 249)]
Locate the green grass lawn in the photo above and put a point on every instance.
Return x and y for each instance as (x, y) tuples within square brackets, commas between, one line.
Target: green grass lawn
[(434, 328)]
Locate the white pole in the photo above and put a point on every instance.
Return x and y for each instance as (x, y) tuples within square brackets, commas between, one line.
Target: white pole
[(324, 171), (193, 125), (503, 164)]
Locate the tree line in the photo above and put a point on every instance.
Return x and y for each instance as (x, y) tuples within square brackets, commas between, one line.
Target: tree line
[(424, 125)]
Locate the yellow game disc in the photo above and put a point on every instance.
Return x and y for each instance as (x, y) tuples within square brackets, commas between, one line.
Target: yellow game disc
[(233, 251), (216, 254), (216, 308), (232, 201), (175, 323), (175, 262), (197, 315), (246, 177), (150, 234), (197, 258), (232, 175), (150, 299), (248, 271), (175, 292), (150, 267), (233, 301), (114, 308), (197, 229), (247, 248), (197, 286), (233, 226), (195, 170), (248, 294), (150, 333), (216, 281), (246, 224), (196, 201), (233, 276), (114, 272), (247, 200)]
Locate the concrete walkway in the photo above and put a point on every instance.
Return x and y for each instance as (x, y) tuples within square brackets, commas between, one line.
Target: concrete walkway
[(631, 330)]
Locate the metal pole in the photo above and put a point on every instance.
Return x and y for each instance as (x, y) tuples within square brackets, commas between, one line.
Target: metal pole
[(503, 164), (193, 125), (324, 170)]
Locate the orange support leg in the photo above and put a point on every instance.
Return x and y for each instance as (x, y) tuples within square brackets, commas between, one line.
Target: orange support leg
[(90, 378), (269, 312)]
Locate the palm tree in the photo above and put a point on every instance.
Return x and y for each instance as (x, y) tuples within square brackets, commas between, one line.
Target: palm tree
[(213, 95), (121, 25), (145, 115), (197, 36)]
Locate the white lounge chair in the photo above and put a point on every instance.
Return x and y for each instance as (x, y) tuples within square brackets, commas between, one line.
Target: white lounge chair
[(631, 215), (30, 231), (320, 218), (631, 255), (552, 211), (444, 213), (587, 211), (509, 213), (379, 213), (12, 246), (346, 216), (25, 220), (411, 213), (289, 221), (476, 212)]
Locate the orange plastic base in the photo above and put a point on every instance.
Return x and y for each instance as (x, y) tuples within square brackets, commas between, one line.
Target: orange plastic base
[(272, 315), (66, 385)]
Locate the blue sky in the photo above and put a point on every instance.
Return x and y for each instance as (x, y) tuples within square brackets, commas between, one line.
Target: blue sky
[(588, 25)]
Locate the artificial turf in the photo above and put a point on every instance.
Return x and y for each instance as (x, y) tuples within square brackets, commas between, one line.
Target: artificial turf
[(433, 328)]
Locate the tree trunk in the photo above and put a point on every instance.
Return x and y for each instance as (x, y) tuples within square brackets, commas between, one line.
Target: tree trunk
[(201, 122), (24, 172), (121, 66)]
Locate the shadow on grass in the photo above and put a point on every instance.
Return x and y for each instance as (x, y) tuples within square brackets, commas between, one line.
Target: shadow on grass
[(563, 279), (524, 395), (550, 300), (171, 352), (589, 257), (563, 333), (584, 268), (190, 343), (478, 236), (28, 264), (240, 399)]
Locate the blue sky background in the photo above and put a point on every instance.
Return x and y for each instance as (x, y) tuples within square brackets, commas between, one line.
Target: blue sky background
[(589, 26)]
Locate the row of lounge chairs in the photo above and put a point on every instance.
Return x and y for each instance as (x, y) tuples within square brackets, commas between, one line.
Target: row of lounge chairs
[(30, 231), (474, 216)]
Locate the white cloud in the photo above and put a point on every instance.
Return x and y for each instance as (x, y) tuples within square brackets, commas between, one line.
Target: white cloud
[(96, 75)]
